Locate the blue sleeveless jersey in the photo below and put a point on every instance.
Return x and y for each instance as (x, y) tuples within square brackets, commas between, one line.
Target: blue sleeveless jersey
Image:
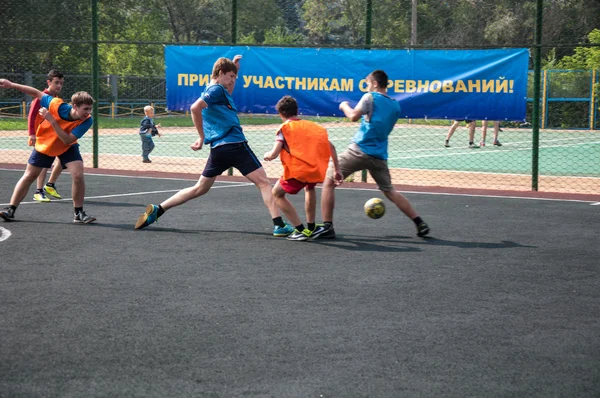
[(220, 120), (372, 136)]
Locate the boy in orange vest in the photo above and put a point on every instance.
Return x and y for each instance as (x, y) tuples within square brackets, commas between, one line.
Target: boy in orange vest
[(55, 82), (56, 136), (305, 150)]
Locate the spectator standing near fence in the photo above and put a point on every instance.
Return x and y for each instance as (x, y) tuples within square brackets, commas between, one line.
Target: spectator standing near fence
[(215, 117), (369, 150), (470, 124), (484, 127), (56, 136), (55, 81), (148, 129)]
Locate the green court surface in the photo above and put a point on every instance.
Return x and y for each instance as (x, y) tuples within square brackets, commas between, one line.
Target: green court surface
[(562, 153)]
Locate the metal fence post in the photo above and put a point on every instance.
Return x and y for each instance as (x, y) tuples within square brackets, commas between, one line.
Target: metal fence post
[(95, 78), (537, 62)]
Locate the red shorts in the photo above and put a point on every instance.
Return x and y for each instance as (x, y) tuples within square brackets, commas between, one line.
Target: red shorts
[(293, 186)]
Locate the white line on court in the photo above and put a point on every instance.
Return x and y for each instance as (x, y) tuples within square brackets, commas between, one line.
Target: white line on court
[(4, 234), (131, 194), (595, 204)]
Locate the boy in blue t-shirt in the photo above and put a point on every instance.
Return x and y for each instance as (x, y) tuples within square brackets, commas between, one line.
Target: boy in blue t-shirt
[(148, 130), (368, 151), (215, 117)]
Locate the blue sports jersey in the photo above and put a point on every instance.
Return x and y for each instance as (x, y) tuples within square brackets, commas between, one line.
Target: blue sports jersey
[(63, 111), (372, 136), (220, 120)]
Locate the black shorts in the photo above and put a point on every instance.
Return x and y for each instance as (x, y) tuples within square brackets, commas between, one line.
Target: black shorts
[(40, 160), (238, 155), (465, 120)]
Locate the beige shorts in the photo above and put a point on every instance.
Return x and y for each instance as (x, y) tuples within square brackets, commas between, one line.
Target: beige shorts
[(353, 160)]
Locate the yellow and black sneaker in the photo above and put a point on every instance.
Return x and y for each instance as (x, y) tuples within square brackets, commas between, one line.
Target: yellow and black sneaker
[(52, 192), (40, 196)]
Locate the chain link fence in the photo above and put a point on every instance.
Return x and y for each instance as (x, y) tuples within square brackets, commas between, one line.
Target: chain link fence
[(559, 151)]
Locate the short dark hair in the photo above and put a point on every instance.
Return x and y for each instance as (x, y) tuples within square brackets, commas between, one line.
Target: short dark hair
[(380, 77), (54, 73), (82, 98), (287, 106)]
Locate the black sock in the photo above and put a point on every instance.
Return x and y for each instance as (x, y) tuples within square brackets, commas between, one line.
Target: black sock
[(160, 211), (50, 184), (39, 190), (328, 224), (278, 221), (417, 220), (78, 209), (300, 227), (311, 226), (14, 208)]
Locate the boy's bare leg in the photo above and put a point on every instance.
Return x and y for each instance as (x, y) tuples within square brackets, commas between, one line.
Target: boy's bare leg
[(484, 126), (310, 205), (328, 199), (259, 178), (41, 180), (202, 186), (287, 208), (401, 202), (22, 187), (78, 186), (472, 131), (452, 129), (56, 171), (496, 130)]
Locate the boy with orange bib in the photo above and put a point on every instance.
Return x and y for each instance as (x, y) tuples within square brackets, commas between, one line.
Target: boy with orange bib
[(304, 149), (56, 136), (55, 82)]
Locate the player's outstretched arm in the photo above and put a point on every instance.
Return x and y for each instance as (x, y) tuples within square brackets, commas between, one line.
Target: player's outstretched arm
[(34, 92), (273, 153)]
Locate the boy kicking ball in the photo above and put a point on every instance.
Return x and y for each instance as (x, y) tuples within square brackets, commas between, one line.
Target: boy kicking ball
[(304, 149)]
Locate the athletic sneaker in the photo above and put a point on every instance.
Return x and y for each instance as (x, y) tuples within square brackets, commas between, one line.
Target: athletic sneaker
[(497, 143), (283, 231), (146, 161), (422, 229), (82, 218), (52, 192), (149, 217), (318, 231), (8, 214), (447, 143), (40, 197), (472, 145), (300, 235), (482, 143), (328, 233)]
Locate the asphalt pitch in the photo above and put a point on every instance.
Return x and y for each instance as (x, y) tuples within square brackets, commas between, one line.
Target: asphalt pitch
[(502, 299)]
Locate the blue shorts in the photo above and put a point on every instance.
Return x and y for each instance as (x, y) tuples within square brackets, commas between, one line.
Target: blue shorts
[(40, 160), (238, 155)]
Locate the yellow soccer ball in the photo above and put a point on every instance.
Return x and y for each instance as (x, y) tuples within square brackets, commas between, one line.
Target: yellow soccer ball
[(375, 208)]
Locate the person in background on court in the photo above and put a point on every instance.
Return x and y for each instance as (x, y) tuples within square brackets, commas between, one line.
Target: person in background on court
[(369, 150), (55, 83), (470, 123), (56, 136), (148, 130), (305, 150), (484, 126), (215, 117)]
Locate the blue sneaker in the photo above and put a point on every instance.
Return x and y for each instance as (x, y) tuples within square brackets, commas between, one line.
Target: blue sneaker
[(282, 231), (149, 217)]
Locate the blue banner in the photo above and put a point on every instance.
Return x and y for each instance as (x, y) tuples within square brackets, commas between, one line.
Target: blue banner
[(434, 84)]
